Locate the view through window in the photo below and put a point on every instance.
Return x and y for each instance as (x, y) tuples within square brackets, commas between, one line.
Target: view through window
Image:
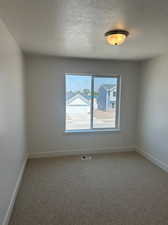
[(91, 102)]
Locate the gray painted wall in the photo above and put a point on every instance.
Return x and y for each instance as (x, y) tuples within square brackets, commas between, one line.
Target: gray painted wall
[(153, 109), (12, 132), (45, 99)]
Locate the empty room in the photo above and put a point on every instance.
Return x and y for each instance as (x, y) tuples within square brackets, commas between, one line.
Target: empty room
[(83, 112)]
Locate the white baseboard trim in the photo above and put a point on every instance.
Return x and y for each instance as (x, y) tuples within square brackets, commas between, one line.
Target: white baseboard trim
[(70, 152), (153, 159), (15, 192)]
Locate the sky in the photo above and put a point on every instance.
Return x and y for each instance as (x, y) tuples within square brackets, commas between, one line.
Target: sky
[(78, 83)]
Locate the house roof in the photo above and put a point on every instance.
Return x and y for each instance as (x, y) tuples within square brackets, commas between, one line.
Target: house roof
[(108, 86), (75, 96), (70, 94)]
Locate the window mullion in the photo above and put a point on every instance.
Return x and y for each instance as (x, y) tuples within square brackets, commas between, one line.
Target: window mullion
[(92, 98), (117, 104)]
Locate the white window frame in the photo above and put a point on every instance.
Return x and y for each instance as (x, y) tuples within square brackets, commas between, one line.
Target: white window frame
[(118, 99)]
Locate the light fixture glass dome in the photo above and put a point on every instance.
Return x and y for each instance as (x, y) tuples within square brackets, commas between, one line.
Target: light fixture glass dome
[(116, 37)]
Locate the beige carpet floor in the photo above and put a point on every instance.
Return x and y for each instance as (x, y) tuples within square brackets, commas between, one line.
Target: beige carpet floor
[(112, 189)]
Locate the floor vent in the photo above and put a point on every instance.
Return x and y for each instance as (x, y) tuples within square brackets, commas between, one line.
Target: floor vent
[(86, 157)]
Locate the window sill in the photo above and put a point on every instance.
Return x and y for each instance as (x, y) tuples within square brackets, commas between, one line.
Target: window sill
[(92, 131)]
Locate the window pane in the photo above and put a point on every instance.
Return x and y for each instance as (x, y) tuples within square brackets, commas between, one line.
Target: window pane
[(78, 102), (104, 107)]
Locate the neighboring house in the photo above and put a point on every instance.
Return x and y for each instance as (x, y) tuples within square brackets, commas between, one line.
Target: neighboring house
[(107, 97), (77, 104)]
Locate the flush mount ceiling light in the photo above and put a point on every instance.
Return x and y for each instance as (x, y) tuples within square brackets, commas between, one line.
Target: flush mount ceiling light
[(116, 37)]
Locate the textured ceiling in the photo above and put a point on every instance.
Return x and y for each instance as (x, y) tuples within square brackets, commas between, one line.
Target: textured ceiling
[(75, 28)]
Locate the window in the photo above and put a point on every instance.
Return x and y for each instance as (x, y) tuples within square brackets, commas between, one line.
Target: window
[(92, 102)]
